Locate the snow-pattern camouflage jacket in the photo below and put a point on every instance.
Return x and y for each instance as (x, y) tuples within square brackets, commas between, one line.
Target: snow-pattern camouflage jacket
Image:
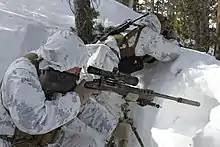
[(152, 43), (22, 94)]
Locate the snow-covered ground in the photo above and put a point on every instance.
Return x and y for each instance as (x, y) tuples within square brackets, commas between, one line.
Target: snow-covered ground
[(25, 25)]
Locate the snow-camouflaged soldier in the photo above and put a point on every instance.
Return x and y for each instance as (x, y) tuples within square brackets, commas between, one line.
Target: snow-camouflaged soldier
[(151, 41), (166, 31), (40, 95), (107, 58), (147, 41)]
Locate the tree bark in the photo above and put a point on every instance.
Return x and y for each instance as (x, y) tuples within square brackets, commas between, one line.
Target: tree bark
[(204, 24), (196, 6), (218, 32), (152, 5), (125, 2), (135, 3), (131, 3), (163, 7), (82, 22)]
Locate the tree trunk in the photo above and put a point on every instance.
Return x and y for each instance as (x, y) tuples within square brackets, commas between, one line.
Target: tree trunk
[(204, 24), (83, 23), (125, 2), (135, 3), (169, 9), (196, 7), (131, 3), (218, 32), (152, 5), (163, 8)]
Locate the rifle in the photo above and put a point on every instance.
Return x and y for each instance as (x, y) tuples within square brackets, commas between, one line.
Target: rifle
[(116, 83), (122, 27), (114, 75)]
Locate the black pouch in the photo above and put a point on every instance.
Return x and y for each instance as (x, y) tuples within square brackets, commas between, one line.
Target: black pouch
[(131, 64)]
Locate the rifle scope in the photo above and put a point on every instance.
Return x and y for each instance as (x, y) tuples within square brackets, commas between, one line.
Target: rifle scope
[(128, 79)]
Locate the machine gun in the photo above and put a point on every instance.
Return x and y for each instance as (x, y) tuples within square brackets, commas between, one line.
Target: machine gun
[(123, 85)]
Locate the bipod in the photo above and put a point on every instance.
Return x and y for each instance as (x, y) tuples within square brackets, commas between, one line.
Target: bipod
[(121, 132)]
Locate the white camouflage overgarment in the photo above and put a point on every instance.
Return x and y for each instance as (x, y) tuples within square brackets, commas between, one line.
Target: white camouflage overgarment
[(152, 43), (104, 58), (22, 95)]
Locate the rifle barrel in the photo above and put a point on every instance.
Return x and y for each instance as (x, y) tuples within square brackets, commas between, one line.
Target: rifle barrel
[(178, 99), (121, 28), (140, 17), (145, 94)]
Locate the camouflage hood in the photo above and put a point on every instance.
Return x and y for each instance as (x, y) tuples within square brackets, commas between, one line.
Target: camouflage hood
[(152, 43), (152, 22), (64, 50)]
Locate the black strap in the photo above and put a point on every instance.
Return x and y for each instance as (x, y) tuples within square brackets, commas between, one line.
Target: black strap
[(114, 51), (35, 60), (6, 138)]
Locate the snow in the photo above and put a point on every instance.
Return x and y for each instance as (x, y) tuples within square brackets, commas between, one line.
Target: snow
[(20, 13), (25, 25), (181, 78), (166, 138)]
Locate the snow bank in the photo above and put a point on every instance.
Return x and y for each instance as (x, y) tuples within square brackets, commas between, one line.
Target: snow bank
[(15, 43), (25, 25), (193, 75), (9, 47), (209, 136), (115, 12), (15, 14), (186, 77), (166, 138)]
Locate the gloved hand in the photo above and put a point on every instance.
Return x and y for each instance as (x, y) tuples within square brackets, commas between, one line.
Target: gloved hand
[(172, 34), (84, 93), (119, 38)]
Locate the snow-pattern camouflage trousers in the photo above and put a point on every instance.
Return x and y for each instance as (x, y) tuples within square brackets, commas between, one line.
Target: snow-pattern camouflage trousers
[(75, 141), (93, 115)]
